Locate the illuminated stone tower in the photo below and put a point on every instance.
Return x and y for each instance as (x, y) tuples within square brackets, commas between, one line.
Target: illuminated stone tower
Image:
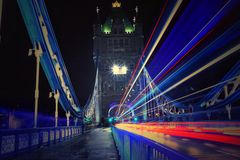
[(118, 43)]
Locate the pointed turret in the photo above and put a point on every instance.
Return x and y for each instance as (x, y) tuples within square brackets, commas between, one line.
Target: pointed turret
[(97, 25)]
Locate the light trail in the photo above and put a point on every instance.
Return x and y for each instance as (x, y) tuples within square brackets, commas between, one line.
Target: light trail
[(223, 132), (156, 77), (216, 42), (219, 58), (155, 108), (189, 95), (176, 7), (179, 53), (145, 48), (153, 86)]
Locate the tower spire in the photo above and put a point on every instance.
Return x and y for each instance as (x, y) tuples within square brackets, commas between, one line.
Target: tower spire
[(136, 9), (136, 18), (97, 10), (116, 4)]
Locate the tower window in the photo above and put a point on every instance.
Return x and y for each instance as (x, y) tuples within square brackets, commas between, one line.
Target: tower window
[(110, 42), (126, 42), (121, 43), (115, 31), (120, 31), (115, 43)]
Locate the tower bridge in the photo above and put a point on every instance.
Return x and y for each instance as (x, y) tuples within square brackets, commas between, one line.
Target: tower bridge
[(175, 95)]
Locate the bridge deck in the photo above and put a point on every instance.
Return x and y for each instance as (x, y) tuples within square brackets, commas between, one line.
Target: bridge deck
[(95, 144), (200, 149)]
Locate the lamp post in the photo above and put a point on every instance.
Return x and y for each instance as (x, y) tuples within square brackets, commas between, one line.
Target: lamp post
[(75, 121), (56, 97), (119, 70), (38, 53), (68, 116)]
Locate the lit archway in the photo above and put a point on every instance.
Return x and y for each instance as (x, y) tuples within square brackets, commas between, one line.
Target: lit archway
[(116, 105)]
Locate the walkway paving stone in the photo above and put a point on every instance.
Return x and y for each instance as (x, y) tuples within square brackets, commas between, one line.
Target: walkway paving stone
[(96, 144)]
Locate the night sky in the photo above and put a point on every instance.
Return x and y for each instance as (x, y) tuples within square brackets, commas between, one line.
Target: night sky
[(72, 22)]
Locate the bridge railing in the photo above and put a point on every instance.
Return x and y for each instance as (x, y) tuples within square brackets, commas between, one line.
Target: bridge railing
[(15, 141), (135, 147)]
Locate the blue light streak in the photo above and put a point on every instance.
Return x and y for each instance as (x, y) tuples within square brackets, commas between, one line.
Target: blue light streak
[(176, 39)]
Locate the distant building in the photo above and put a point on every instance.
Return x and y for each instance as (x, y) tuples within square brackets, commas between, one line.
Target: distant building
[(118, 44)]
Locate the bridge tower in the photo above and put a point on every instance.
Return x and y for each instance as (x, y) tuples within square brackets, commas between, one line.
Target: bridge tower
[(118, 44)]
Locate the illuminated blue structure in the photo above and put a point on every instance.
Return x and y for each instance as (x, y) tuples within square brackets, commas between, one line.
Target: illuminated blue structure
[(42, 37), (195, 45)]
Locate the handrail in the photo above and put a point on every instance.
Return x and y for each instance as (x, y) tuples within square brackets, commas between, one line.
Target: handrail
[(16, 141), (136, 147)]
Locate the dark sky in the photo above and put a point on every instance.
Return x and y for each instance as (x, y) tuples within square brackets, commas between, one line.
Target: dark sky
[(72, 22)]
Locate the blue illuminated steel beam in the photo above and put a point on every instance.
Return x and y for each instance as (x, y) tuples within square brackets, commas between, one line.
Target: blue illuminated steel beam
[(212, 100), (40, 31)]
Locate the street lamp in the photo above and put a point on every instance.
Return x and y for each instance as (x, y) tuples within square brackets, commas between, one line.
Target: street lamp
[(37, 51), (124, 69), (119, 70), (115, 69), (68, 114), (56, 96)]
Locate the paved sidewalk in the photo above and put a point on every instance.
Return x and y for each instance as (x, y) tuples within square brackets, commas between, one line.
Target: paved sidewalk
[(96, 144)]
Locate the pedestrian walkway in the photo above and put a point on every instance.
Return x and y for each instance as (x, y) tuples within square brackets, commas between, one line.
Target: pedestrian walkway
[(96, 144)]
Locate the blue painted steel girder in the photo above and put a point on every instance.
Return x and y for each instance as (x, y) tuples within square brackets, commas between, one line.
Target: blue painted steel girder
[(41, 32)]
